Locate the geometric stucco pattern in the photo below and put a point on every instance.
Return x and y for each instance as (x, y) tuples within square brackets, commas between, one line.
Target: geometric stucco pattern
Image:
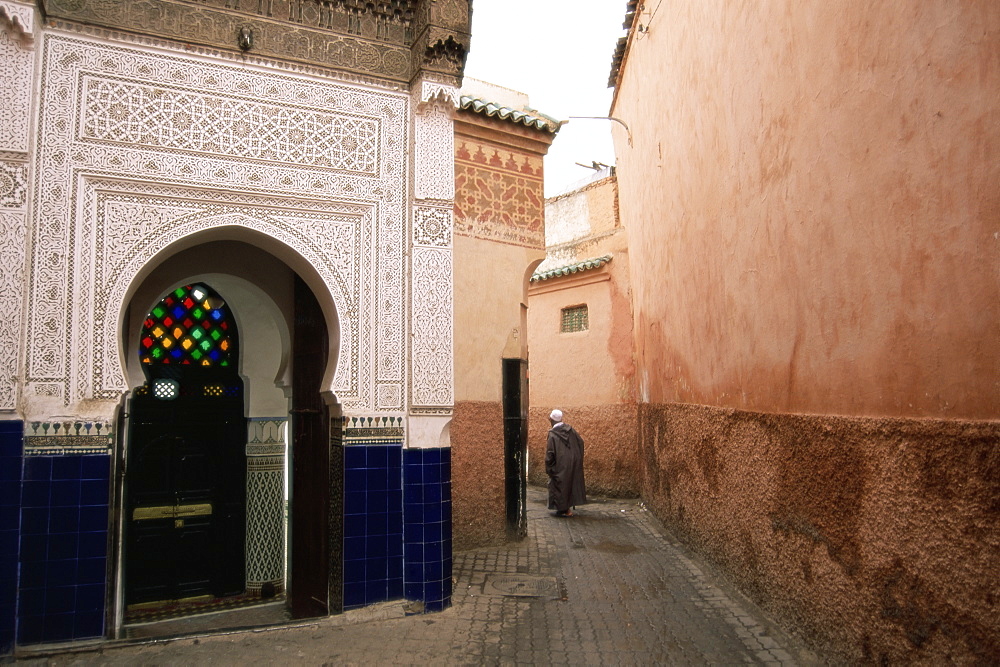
[(12, 238), (15, 84), (498, 194), (431, 291), (109, 193)]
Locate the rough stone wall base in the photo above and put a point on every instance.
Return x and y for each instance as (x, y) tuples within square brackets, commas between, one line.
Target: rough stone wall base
[(610, 434), (477, 474), (877, 539)]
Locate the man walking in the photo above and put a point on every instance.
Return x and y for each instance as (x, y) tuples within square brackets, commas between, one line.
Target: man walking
[(564, 466)]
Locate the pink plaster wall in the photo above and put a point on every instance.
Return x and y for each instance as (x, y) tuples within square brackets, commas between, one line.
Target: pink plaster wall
[(812, 196)]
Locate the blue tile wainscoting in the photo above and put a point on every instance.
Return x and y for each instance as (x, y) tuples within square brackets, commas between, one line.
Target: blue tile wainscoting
[(63, 550), (373, 524), (397, 525), (11, 453), (427, 526)]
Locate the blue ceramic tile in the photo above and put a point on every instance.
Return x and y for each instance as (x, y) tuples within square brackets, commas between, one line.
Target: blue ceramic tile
[(354, 547), (378, 457), (97, 466), (376, 479), (58, 627), (38, 468), (354, 458), (433, 552), (30, 629), (432, 474), (34, 520), (10, 469), (66, 467), (395, 588), (32, 574), (376, 524), (10, 517), (432, 512), (413, 494), (93, 519), (355, 481), (9, 426), (413, 590), (354, 525), (378, 502), (395, 523), (376, 546), (355, 502), (9, 550), (91, 571), (93, 544), (433, 572), (60, 573), (64, 519), (432, 493), (394, 568), (354, 571), (414, 533), (354, 594), (413, 553), (35, 493), (394, 457), (433, 590), (65, 493), (88, 625), (94, 492), (60, 600), (89, 598), (10, 495), (31, 601), (376, 591), (63, 546)]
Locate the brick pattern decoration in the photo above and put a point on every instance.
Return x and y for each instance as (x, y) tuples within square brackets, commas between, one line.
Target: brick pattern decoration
[(498, 194)]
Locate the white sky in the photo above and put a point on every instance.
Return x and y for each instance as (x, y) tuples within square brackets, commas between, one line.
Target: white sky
[(559, 53)]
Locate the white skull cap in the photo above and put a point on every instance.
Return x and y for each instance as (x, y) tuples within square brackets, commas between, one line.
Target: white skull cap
[(556, 415)]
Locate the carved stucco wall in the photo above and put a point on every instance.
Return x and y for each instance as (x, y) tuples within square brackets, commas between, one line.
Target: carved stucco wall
[(16, 74), (138, 148)]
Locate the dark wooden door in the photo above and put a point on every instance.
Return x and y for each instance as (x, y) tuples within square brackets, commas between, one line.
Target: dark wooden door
[(310, 425), (185, 497)]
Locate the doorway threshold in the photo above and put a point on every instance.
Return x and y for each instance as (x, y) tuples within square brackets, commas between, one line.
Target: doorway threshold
[(207, 620)]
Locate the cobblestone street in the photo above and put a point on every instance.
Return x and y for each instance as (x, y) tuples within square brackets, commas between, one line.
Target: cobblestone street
[(604, 587)]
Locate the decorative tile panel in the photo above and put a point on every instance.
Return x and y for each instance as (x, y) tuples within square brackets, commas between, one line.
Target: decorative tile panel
[(265, 534)]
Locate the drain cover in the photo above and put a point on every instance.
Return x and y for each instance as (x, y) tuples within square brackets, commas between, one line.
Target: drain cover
[(521, 585)]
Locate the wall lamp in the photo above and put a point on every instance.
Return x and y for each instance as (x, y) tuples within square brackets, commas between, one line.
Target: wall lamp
[(628, 132)]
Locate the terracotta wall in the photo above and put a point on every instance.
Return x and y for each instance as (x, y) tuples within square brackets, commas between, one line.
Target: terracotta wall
[(811, 194), (498, 240), (876, 538), (610, 457)]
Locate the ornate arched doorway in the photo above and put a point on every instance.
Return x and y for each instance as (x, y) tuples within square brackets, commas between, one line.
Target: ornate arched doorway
[(185, 483)]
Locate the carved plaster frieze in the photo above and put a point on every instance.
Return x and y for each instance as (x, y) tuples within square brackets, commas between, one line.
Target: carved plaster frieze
[(19, 19), (364, 37), (135, 151)]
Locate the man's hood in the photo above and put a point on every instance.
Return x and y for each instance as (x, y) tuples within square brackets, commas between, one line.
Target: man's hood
[(561, 431)]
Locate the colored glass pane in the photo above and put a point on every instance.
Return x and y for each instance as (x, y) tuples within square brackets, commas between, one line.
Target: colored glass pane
[(190, 325)]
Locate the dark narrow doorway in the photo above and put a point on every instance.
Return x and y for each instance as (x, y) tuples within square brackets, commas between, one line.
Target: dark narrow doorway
[(515, 441), (185, 480), (310, 488)]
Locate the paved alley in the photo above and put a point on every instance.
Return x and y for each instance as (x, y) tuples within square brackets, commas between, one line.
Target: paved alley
[(604, 587)]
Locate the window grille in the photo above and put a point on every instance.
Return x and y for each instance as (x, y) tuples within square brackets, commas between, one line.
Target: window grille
[(574, 319)]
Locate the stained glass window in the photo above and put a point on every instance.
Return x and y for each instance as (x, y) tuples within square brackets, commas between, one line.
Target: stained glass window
[(191, 326)]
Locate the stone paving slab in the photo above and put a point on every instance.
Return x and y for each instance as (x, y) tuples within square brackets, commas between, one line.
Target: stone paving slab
[(625, 592)]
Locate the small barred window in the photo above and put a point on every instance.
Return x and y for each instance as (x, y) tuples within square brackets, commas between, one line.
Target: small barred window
[(574, 319)]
